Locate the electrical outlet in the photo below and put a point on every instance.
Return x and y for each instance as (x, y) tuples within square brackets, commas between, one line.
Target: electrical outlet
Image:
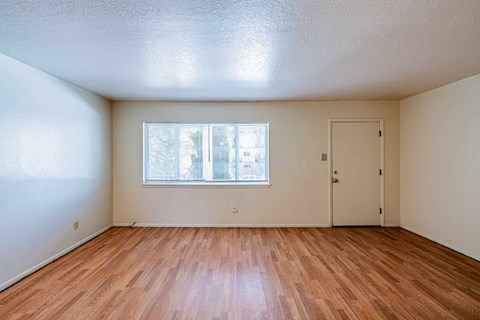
[(235, 210), (75, 225)]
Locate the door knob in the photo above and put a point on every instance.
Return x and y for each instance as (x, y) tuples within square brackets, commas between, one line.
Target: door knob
[(335, 180)]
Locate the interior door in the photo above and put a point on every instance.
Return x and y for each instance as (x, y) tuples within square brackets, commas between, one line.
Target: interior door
[(356, 173)]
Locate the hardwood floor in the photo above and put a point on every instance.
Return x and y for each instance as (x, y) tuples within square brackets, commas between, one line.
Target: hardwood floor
[(251, 273)]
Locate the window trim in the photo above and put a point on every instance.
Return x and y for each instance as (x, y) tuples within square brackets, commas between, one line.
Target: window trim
[(204, 183)]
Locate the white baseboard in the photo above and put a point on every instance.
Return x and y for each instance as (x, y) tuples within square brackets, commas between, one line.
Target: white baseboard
[(230, 225), (42, 264), (220, 225), (391, 225), (443, 243)]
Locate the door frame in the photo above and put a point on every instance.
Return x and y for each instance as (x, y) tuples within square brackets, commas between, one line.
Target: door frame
[(380, 121)]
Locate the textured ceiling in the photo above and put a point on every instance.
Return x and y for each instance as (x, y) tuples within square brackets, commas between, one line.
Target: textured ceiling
[(247, 49)]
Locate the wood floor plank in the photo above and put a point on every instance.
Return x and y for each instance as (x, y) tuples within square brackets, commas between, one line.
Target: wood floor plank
[(251, 273)]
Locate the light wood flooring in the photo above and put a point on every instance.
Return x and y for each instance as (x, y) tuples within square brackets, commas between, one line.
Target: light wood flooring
[(251, 273)]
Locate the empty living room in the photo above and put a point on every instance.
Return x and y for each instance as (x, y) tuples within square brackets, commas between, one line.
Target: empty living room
[(270, 159)]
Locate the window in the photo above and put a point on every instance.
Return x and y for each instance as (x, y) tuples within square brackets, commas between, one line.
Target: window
[(205, 153)]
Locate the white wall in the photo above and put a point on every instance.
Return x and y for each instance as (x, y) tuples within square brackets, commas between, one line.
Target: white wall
[(55, 166), (440, 165), (298, 136)]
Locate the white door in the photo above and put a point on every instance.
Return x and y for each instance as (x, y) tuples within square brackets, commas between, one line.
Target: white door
[(356, 173)]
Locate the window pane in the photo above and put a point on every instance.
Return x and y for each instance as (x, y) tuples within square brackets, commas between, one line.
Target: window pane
[(251, 164), (191, 153), (223, 152), (161, 153)]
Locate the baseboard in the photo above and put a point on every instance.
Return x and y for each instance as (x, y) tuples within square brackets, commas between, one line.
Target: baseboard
[(443, 243), (221, 225), (392, 225), (42, 264)]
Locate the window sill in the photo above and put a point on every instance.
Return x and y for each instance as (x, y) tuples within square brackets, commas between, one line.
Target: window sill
[(209, 185)]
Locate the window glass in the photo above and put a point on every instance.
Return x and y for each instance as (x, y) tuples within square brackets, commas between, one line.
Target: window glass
[(161, 153), (251, 152), (191, 153), (223, 152)]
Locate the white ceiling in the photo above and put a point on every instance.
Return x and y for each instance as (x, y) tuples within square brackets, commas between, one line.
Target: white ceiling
[(247, 49)]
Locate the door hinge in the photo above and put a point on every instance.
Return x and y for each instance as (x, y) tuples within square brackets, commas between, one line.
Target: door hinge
[(380, 171), (380, 210), (380, 133)]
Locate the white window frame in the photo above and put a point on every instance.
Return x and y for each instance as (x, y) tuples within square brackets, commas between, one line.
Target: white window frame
[(200, 183)]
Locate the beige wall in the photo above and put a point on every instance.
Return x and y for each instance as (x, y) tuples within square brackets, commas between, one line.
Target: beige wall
[(298, 136), (440, 165), (55, 167)]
